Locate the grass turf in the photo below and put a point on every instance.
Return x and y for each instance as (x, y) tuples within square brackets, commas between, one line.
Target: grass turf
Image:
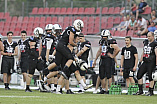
[(20, 97)]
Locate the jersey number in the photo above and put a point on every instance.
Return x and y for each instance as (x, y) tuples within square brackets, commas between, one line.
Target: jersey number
[(127, 54)]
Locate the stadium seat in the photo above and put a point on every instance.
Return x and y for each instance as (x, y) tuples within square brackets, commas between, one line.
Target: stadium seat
[(117, 33), (60, 21), (35, 25), (110, 20), (24, 25), (31, 19), (123, 33), (117, 20), (30, 24), (109, 25), (110, 10), (20, 19), (86, 11), (116, 10), (63, 11), (54, 20), (97, 11), (103, 25), (92, 10), (78, 17), (25, 20), (130, 33), (57, 10), (75, 10), (6, 15), (105, 10), (85, 19), (34, 11), (1, 15), (122, 8), (48, 20), (147, 10), (90, 30), (51, 11), (4, 33), (42, 19), (96, 30), (40, 11), (13, 24), (42, 25), (36, 19), (1, 30), (81, 10), (71, 19), (17, 33), (7, 24), (6, 29), (18, 24), (69, 11), (18, 29), (12, 29), (1, 23), (8, 19), (46, 11), (112, 32)]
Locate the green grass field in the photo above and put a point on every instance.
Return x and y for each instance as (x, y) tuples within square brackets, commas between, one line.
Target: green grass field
[(20, 97)]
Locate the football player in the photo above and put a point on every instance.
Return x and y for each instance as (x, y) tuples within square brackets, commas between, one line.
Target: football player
[(7, 66), (108, 50), (23, 55), (149, 63), (129, 55)]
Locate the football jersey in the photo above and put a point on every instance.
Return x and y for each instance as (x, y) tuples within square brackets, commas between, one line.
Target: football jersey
[(149, 50), (128, 53), (24, 46), (106, 47), (37, 41), (9, 48), (66, 33), (84, 56)]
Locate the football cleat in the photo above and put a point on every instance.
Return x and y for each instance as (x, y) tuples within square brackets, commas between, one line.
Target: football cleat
[(80, 91), (47, 88), (7, 88), (69, 92), (28, 90), (139, 93), (88, 86), (95, 91), (59, 92), (102, 92)]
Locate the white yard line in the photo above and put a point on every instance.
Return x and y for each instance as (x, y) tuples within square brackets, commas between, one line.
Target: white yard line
[(18, 96)]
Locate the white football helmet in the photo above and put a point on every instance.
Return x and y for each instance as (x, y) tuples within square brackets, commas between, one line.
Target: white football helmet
[(78, 24), (154, 76), (48, 27), (155, 34), (38, 31), (56, 29), (105, 33)]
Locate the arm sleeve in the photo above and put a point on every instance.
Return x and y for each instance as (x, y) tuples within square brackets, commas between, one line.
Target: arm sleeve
[(49, 43), (122, 53), (135, 50)]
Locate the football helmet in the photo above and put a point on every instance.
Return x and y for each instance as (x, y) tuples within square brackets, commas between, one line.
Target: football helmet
[(48, 27), (78, 24), (38, 31), (56, 29), (105, 33)]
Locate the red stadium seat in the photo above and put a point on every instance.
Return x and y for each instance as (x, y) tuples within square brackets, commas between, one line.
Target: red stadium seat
[(6, 15), (34, 11), (57, 10), (63, 11), (48, 20), (130, 33), (6, 24), (112, 32), (51, 11), (123, 33), (110, 20), (1, 23), (8, 19), (31, 19), (4, 33), (69, 11), (25, 20), (96, 30), (81, 10), (17, 33), (42, 19), (117, 20), (18, 24), (24, 25), (105, 10), (20, 19), (116, 10), (1, 15), (75, 10), (36, 25), (92, 10), (90, 30), (97, 11), (40, 11), (79, 17), (109, 25), (110, 10), (12, 29), (13, 24), (18, 29), (122, 8), (42, 25), (54, 20), (147, 10), (46, 11), (36, 19), (60, 21), (86, 11), (85, 19), (103, 25), (117, 33)]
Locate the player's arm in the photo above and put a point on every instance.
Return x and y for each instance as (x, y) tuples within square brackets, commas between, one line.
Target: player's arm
[(71, 39), (48, 45), (16, 51), (82, 51), (116, 51), (97, 55), (121, 63), (1, 46), (136, 62)]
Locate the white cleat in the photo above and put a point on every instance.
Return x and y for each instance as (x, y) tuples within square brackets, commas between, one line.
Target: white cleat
[(47, 88), (95, 91), (58, 92), (88, 86)]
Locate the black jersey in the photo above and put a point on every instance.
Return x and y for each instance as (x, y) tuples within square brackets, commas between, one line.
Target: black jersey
[(66, 33), (37, 41), (24, 46), (105, 47), (149, 50), (9, 48), (129, 58), (84, 56)]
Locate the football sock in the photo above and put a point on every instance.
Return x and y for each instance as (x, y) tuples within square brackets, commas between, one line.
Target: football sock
[(81, 87), (82, 83), (140, 87), (52, 86), (27, 86), (58, 88)]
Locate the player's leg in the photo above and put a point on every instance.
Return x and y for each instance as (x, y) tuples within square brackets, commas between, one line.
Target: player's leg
[(97, 85)]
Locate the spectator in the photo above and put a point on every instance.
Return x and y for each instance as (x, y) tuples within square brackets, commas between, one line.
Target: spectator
[(128, 9), (141, 24), (132, 24), (140, 8), (153, 16), (152, 28)]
